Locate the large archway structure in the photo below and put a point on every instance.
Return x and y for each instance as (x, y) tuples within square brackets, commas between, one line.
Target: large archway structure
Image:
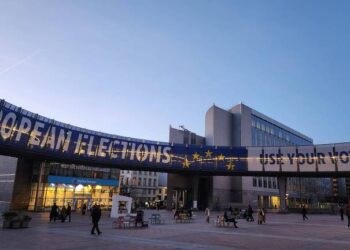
[(26, 134)]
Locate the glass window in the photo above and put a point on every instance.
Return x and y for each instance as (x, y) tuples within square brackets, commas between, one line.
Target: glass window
[(259, 182), (254, 182)]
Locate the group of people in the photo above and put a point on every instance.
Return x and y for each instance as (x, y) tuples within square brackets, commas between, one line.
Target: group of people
[(261, 215), (60, 214), (65, 212)]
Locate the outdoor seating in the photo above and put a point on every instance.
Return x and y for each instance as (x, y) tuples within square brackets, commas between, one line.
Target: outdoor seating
[(130, 221), (220, 222), (156, 219), (119, 222), (183, 218), (124, 222)]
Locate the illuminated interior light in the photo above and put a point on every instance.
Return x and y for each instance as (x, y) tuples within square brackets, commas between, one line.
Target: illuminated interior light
[(79, 188)]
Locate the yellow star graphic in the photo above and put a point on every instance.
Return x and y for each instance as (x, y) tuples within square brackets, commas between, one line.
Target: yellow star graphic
[(196, 156), (208, 153), (186, 163), (221, 157), (230, 166)]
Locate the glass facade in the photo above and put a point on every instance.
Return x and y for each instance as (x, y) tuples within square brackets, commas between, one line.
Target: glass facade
[(265, 133), (300, 190), (74, 184)]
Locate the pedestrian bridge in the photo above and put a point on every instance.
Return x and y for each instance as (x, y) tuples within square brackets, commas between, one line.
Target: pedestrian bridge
[(29, 135)]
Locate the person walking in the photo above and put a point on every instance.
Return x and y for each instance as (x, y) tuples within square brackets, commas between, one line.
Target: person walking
[(250, 213), (341, 211), (96, 216), (69, 212), (261, 216), (63, 214), (83, 209), (304, 212), (53, 212), (348, 214), (207, 215)]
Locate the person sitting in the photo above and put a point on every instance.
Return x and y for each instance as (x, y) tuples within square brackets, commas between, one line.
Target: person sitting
[(232, 219)]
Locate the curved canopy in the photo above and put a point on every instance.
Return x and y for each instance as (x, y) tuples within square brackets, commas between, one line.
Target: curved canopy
[(25, 134)]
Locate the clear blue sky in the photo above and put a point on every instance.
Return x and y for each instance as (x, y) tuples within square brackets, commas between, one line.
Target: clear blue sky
[(132, 68)]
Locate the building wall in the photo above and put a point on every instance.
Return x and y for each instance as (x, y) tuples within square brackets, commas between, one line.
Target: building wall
[(8, 167), (218, 127)]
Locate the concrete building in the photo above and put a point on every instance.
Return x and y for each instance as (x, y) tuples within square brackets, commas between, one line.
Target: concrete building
[(241, 126), (142, 186)]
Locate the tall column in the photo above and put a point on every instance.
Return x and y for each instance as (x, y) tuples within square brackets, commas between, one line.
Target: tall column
[(282, 183), (22, 185), (195, 187)]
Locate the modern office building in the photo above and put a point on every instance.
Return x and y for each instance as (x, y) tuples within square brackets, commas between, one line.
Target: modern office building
[(241, 126)]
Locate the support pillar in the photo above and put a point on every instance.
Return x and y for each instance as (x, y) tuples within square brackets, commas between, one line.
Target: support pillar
[(22, 185), (282, 184), (195, 187)]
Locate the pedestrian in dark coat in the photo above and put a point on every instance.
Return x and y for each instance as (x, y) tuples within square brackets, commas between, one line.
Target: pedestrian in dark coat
[(341, 210), (348, 214), (250, 214), (96, 216), (304, 212), (83, 209), (53, 212), (69, 212), (63, 214)]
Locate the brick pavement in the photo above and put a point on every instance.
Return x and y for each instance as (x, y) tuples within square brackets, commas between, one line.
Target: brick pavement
[(282, 231)]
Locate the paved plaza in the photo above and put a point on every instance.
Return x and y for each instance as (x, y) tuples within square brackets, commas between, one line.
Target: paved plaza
[(282, 231)]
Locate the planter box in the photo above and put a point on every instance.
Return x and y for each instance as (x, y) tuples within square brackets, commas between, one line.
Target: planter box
[(6, 224), (25, 223), (16, 224)]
